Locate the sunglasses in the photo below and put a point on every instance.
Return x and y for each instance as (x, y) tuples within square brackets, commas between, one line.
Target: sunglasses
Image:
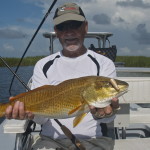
[(69, 25)]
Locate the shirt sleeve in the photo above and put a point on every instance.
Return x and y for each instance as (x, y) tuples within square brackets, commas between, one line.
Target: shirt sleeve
[(107, 68)]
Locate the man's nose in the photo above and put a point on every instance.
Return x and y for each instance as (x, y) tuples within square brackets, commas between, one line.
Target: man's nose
[(68, 30)]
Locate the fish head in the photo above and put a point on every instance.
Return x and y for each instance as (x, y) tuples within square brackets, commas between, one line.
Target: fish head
[(103, 90)]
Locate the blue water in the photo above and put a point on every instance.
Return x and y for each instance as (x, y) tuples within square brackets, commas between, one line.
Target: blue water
[(5, 79)]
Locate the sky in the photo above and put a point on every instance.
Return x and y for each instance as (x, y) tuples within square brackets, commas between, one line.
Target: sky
[(128, 20)]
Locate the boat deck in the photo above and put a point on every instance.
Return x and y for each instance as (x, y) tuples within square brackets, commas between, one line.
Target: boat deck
[(7, 141), (132, 144)]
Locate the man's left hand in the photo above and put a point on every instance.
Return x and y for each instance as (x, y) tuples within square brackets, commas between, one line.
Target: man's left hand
[(106, 111)]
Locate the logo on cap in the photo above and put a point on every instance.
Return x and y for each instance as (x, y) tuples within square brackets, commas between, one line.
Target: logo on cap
[(67, 8)]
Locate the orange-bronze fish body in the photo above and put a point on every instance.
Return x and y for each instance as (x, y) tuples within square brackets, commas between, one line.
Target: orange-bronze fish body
[(71, 97)]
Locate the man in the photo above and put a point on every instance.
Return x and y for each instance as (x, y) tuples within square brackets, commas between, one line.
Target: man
[(74, 61)]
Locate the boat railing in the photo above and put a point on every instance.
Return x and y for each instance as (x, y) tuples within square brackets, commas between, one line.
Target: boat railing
[(133, 69)]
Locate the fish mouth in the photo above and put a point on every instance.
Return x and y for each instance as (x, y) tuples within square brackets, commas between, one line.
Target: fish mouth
[(106, 102), (121, 93), (102, 103)]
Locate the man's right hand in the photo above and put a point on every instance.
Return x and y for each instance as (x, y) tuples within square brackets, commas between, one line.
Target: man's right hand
[(18, 112)]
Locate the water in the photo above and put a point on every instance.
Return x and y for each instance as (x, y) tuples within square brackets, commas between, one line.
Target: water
[(5, 79)]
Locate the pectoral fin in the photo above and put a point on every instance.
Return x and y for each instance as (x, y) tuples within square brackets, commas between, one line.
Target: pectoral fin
[(82, 112), (78, 119), (79, 109), (74, 110)]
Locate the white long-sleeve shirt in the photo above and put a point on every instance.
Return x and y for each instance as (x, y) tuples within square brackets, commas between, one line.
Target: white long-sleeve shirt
[(56, 68)]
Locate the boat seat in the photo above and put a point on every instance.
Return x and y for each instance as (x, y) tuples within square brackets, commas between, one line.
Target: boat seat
[(109, 52), (15, 126)]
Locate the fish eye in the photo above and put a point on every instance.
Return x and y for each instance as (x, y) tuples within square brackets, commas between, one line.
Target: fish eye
[(107, 84)]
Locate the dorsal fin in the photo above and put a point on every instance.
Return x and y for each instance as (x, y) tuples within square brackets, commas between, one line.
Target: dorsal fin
[(26, 93)]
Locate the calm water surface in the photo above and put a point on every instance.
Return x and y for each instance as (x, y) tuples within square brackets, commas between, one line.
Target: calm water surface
[(5, 79)]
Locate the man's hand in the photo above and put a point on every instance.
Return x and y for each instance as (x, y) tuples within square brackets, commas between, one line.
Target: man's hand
[(18, 112), (106, 111)]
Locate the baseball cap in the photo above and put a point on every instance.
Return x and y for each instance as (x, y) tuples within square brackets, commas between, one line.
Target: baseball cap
[(68, 11)]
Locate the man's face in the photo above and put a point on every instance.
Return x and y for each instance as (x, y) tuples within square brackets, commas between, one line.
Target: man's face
[(71, 34)]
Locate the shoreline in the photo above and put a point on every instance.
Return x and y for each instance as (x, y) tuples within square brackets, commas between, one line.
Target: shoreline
[(130, 61)]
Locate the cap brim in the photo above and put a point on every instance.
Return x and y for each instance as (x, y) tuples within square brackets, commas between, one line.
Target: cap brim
[(67, 17)]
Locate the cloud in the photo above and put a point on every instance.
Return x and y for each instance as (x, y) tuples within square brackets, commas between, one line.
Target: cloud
[(102, 19), (124, 51), (133, 3), (8, 47), (142, 36), (28, 20), (9, 33), (120, 19)]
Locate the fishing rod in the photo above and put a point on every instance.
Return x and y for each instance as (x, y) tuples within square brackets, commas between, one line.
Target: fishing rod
[(65, 130), (15, 74), (48, 12)]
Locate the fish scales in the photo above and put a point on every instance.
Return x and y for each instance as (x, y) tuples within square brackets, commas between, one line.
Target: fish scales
[(60, 101), (69, 98)]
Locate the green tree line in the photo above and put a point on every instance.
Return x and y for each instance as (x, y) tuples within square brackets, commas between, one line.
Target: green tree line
[(134, 61), (27, 61), (130, 61)]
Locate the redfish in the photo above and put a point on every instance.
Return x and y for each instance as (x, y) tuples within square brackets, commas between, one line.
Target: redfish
[(70, 98)]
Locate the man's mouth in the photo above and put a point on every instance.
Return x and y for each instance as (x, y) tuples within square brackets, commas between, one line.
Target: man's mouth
[(71, 43), (71, 40)]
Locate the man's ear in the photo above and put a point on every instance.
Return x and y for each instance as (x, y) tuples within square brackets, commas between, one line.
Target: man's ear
[(86, 26)]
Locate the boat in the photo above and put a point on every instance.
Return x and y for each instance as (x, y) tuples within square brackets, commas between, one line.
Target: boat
[(131, 125)]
